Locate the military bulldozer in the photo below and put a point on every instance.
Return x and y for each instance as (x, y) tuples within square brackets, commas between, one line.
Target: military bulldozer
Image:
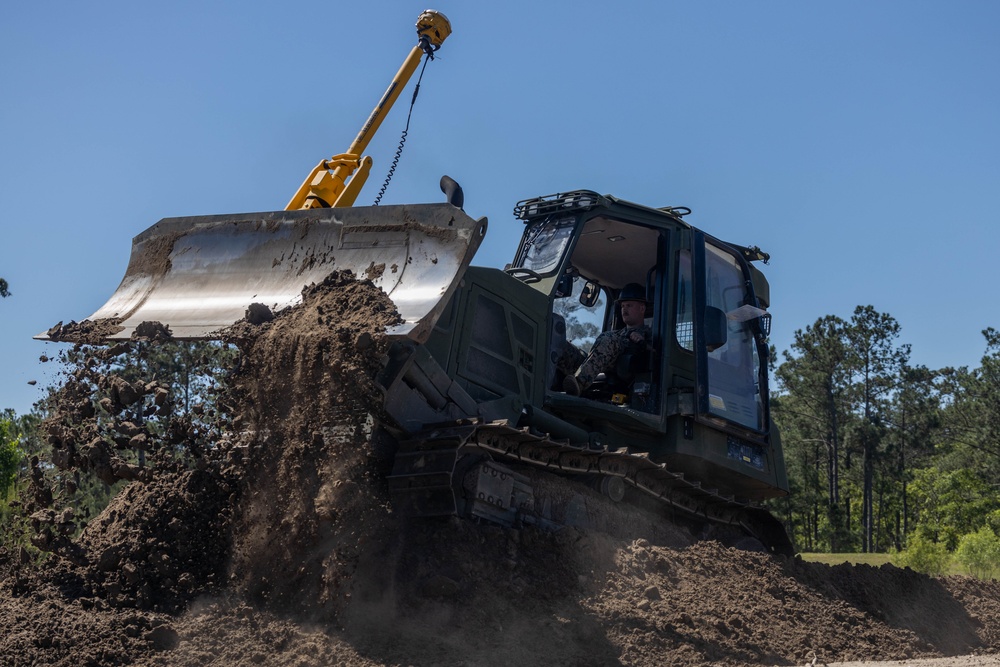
[(474, 377), (683, 419)]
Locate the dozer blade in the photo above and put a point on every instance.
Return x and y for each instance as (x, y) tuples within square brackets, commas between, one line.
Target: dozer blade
[(198, 275)]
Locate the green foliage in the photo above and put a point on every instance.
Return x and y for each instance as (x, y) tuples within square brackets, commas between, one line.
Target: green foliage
[(4, 288), (951, 503), (10, 454), (10, 534), (923, 555), (993, 521), (972, 417), (11, 462), (979, 553)]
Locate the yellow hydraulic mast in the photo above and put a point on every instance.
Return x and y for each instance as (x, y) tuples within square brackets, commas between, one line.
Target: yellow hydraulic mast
[(327, 185)]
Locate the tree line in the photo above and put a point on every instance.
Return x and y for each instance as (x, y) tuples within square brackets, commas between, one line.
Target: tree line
[(883, 454)]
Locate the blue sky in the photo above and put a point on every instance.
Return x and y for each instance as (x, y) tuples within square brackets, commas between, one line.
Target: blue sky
[(857, 142)]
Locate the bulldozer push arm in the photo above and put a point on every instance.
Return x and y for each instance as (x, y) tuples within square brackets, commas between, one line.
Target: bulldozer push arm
[(327, 185)]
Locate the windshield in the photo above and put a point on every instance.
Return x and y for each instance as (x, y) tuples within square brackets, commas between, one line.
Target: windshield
[(545, 243)]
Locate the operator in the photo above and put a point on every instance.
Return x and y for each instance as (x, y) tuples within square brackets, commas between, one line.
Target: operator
[(610, 344)]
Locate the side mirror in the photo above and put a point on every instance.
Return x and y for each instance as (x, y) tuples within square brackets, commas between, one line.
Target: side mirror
[(590, 294), (716, 328)]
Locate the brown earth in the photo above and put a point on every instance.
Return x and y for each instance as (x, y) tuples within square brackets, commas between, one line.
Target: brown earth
[(275, 543)]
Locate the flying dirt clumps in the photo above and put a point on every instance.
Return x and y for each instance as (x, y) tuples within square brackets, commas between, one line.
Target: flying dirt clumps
[(303, 369), (96, 415), (87, 332), (154, 332), (306, 389), (168, 537), (157, 544), (258, 313)]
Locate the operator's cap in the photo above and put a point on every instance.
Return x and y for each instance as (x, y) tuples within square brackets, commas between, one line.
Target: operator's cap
[(633, 292)]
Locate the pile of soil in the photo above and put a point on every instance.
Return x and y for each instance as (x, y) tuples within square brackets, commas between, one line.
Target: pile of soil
[(272, 540)]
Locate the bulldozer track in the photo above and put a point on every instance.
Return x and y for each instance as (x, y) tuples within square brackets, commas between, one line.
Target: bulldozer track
[(425, 472)]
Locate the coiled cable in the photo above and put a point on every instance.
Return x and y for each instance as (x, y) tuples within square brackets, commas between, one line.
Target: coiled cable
[(402, 138)]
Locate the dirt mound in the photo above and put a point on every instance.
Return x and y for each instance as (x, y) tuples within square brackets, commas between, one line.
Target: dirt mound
[(263, 534)]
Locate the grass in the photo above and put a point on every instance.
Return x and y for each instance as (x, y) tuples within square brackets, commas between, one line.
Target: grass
[(870, 559), (855, 559)]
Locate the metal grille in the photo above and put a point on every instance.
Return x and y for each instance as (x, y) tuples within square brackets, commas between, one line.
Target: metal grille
[(685, 335)]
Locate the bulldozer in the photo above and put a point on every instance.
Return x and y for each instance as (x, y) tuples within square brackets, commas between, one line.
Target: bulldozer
[(475, 374)]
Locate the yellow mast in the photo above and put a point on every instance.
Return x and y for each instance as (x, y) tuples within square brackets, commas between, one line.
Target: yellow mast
[(327, 185)]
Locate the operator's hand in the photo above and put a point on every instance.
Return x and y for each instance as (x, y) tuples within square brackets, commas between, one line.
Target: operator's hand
[(636, 337)]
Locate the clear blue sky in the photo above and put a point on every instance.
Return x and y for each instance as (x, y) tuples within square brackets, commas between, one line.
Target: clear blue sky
[(857, 142)]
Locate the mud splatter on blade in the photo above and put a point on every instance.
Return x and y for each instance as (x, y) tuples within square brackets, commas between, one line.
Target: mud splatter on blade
[(198, 275)]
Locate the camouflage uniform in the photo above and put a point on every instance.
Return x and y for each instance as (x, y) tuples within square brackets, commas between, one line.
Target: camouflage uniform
[(605, 352), (569, 359)]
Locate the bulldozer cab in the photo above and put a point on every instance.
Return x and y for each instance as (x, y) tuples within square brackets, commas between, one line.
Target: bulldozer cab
[(704, 356)]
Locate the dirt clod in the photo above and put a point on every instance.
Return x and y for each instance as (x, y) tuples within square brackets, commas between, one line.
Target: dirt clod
[(258, 313)]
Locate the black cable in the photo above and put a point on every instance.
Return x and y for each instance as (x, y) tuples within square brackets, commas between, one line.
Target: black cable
[(402, 138)]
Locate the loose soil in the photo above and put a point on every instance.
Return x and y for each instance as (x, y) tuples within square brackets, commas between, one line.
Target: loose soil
[(271, 540)]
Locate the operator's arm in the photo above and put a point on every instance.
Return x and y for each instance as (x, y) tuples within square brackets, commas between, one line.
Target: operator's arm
[(640, 336)]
